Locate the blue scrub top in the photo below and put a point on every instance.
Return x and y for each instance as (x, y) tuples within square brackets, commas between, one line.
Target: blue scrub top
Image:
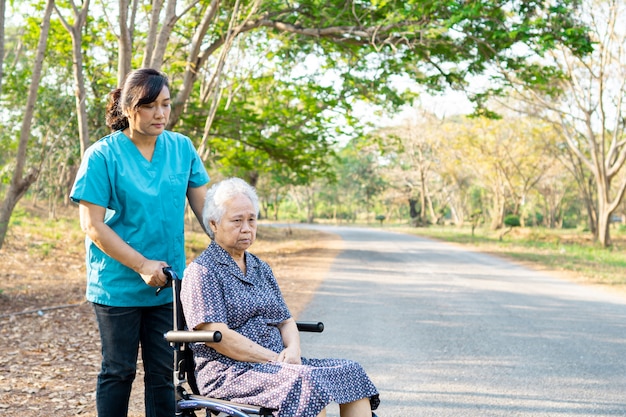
[(145, 202)]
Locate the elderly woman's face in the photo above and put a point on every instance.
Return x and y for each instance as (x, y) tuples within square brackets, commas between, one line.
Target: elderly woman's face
[(237, 230)]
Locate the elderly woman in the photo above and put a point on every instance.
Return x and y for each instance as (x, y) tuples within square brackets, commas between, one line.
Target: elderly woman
[(258, 359)]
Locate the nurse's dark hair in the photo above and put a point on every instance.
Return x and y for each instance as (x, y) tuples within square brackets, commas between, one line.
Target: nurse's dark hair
[(140, 87)]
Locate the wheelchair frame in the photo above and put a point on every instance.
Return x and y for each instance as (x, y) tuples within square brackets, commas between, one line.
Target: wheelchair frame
[(188, 399)]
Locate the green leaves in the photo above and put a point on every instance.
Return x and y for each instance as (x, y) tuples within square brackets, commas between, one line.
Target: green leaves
[(270, 118)]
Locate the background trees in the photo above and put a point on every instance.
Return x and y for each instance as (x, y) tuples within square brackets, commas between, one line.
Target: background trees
[(22, 176), (462, 167), (270, 89), (584, 98)]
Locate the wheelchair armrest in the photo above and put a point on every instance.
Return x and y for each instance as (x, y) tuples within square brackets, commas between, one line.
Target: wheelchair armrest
[(310, 326), (195, 336), (192, 336)]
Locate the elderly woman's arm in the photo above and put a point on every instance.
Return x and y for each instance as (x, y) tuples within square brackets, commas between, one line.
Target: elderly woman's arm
[(237, 346), (291, 340)]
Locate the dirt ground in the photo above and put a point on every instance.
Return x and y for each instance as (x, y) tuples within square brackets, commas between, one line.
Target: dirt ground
[(49, 343)]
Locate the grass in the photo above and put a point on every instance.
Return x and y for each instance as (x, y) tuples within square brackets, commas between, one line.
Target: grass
[(571, 251), (39, 234), (33, 231)]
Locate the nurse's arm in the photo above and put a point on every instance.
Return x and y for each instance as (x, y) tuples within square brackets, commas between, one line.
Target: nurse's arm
[(236, 346), (92, 223), (196, 196)]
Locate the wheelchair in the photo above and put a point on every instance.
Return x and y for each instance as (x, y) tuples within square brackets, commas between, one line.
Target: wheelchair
[(188, 398)]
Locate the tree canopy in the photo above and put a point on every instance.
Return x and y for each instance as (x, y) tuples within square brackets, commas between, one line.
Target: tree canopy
[(242, 89)]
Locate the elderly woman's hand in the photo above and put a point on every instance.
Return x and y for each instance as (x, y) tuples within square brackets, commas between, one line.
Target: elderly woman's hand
[(290, 355)]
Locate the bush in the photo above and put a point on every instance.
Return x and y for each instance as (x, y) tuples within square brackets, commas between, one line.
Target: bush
[(512, 220)]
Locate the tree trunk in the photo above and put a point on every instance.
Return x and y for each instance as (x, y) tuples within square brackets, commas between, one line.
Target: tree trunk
[(16, 191), (497, 215), (76, 33), (457, 217), (19, 182), (604, 235), (435, 219), (125, 40), (2, 19), (155, 53), (198, 58), (606, 207), (413, 213), (586, 187), (81, 106), (155, 12), (310, 208), (195, 61), (276, 204)]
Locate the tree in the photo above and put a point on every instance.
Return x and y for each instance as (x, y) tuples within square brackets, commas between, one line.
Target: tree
[(2, 20), (527, 157), (20, 181), (459, 182), (437, 44), (127, 14), (269, 128), (584, 97), (361, 174), (508, 157), (76, 32), (413, 147), (556, 185), (363, 45)]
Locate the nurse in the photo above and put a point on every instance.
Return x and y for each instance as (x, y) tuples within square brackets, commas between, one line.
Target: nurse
[(131, 189)]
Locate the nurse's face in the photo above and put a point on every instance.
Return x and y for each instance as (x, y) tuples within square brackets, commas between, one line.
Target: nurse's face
[(237, 230), (149, 120)]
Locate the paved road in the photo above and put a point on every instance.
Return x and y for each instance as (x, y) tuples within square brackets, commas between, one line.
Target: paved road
[(447, 332)]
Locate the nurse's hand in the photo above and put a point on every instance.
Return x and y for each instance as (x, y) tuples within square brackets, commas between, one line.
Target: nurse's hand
[(152, 273)]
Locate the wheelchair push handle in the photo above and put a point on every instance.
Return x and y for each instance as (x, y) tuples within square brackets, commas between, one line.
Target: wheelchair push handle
[(170, 275), (193, 336)]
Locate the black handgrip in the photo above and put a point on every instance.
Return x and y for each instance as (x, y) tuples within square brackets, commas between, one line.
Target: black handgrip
[(193, 336), (310, 326), (170, 275)]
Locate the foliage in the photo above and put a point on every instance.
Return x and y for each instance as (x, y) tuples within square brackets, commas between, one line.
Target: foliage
[(269, 128), (583, 97), (359, 183), (267, 90), (512, 220)]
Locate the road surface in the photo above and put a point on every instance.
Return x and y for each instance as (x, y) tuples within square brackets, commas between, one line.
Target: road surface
[(443, 331)]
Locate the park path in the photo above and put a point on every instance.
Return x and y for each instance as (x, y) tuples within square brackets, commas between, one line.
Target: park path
[(444, 331)]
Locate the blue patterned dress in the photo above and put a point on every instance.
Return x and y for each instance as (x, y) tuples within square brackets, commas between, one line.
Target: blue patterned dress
[(215, 290)]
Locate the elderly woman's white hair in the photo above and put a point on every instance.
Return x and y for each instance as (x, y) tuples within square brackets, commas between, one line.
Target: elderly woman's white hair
[(219, 194)]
